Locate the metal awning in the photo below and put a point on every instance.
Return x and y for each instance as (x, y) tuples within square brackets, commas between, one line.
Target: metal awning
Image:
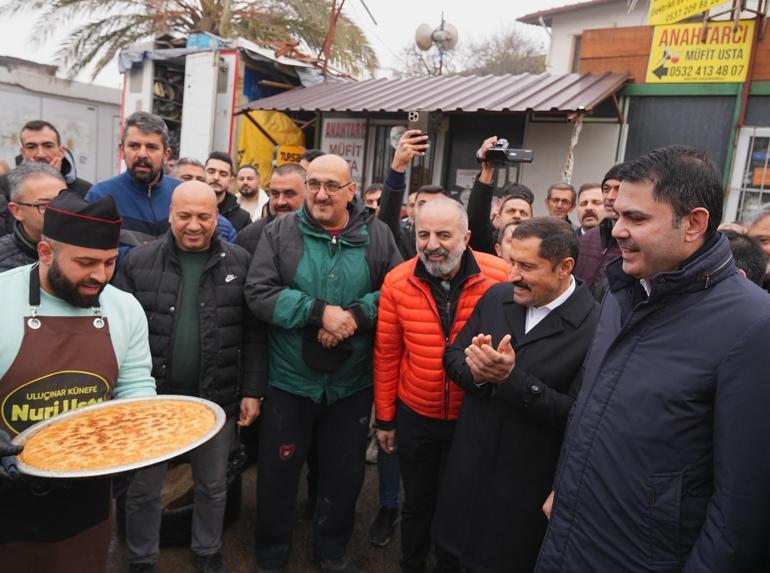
[(567, 93)]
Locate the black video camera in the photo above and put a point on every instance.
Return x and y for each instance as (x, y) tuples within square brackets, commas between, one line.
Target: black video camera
[(501, 153)]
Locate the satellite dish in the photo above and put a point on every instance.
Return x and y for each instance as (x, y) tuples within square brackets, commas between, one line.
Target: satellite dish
[(423, 37), (451, 34), (444, 37)]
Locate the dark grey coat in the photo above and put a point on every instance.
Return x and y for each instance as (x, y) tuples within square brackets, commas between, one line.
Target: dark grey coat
[(16, 249), (666, 462)]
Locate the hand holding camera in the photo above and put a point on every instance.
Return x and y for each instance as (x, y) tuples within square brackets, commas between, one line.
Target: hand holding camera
[(497, 153), (487, 169)]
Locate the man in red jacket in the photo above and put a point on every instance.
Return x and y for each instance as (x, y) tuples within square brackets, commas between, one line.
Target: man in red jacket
[(424, 303)]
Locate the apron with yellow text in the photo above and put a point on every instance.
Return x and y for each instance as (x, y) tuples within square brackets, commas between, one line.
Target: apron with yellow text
[(64, 363)]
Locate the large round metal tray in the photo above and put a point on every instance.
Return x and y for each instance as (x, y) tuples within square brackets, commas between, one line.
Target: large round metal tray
[(21, 439)]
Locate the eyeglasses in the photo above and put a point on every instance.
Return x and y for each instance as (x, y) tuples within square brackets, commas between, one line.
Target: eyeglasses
[(41, 207), (331, 187)]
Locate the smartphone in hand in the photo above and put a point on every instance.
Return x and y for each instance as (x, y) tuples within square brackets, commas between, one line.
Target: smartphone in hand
[(418, 119)]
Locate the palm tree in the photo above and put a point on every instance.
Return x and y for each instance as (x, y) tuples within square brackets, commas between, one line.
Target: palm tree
[(114, 24)]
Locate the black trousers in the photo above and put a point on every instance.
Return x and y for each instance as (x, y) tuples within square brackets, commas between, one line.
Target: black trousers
[(289, 423), (423, 447)]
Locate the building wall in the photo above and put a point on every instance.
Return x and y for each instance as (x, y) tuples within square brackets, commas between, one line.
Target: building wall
[(565, 27), (628, 50), (86, 116), (594, 155)]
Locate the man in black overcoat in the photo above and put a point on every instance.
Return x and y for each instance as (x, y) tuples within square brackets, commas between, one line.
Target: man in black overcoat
[(519, 359)]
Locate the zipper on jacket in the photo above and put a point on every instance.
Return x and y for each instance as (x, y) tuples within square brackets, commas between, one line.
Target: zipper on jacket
[(446, 385), (152, 212), (434, 307), (716, 270)]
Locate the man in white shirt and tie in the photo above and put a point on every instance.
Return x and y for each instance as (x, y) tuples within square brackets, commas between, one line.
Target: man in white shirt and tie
[(518, 358)]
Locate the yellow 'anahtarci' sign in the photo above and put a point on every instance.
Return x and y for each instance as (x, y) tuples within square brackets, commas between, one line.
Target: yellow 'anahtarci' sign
[(690, 53), (671, 11)]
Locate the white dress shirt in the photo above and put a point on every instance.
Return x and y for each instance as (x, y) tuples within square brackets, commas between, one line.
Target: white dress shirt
[(537, 313)]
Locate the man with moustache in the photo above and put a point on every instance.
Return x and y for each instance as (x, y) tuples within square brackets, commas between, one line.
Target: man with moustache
[(597, 246), (251, 198), (142, 193), (665, 460), (287, 192), (64, 328), (423, 305), (204, 343), (518, 358), (33, 187), (315, 280), (219, 175), (590, 207)]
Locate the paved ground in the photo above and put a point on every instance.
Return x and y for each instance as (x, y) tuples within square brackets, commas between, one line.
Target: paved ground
[(238, 538)]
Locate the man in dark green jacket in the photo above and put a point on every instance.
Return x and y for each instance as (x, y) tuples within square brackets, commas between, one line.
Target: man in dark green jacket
[(315, 279)]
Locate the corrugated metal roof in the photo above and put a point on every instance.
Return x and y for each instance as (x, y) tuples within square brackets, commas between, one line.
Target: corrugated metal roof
[(507, 93)]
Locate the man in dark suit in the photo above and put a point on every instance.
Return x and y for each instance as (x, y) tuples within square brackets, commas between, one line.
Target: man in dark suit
[(518, 358)]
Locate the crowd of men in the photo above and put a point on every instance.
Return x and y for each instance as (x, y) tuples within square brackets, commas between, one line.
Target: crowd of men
[(553, 396)]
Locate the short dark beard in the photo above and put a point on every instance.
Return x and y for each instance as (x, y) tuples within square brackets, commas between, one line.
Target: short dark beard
[(251, 192), (147, 179), (66, 290)]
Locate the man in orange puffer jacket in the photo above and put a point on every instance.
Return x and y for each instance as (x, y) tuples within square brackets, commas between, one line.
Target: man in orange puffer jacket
[(424, 303)]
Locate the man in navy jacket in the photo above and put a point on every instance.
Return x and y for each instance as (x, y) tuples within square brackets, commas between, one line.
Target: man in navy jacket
[(665, 464)]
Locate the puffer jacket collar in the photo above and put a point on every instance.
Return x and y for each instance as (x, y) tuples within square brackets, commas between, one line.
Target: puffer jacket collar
[(711, 264), (172, 251)]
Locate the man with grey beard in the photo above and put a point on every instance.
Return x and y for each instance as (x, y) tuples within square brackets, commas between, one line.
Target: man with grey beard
[(424, 303)]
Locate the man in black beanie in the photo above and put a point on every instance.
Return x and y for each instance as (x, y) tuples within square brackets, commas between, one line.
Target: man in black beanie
[(597, 246), (70, 339)]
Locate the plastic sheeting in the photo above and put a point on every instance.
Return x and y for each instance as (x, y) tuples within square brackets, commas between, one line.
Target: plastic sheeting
[(255, 148), (129, 57)]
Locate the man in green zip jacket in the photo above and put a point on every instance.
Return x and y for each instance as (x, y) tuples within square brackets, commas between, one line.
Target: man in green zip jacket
[(315, 279)]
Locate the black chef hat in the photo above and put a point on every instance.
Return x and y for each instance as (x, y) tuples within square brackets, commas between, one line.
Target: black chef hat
[(71, 219)]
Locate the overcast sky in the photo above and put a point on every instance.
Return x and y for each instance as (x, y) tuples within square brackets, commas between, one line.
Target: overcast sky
[(397, 21)]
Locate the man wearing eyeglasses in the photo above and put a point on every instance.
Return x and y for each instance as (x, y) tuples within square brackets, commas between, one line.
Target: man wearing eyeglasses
[(315, 279), (33, 185), (560, 201)]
